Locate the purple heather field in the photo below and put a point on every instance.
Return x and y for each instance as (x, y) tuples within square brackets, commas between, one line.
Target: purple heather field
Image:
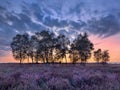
[(59, 77)]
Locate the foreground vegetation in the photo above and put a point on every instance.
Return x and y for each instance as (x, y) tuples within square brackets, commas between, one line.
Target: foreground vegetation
[(59, 77)]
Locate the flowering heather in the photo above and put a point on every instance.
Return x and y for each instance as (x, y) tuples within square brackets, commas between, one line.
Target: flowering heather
[(59, 77)]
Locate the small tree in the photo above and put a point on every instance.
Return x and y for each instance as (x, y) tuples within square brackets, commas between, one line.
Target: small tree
[(98, 55), (105, 57)]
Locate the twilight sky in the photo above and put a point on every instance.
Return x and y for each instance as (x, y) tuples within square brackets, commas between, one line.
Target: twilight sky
[(100, 18)]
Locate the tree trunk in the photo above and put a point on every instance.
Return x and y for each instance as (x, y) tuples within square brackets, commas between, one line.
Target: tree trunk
[(36, 58), (20, 61), (32, 59), (20, 57), (36, 61), (28, 59), (47, 60), (43, 59), (52, 55), (65, 59), (46, 56)]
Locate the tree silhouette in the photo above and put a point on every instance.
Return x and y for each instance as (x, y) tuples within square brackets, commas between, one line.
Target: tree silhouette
[(26, 45), (19, 48), (74, 56), (45, 45), (62, 46), (84, 47), (32, 48), (105, 57), (98, 55)]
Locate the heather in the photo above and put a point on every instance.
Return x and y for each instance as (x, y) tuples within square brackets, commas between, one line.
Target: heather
[(59, 77)]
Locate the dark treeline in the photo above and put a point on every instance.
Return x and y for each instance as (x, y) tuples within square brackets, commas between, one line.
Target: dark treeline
[(45, 47)]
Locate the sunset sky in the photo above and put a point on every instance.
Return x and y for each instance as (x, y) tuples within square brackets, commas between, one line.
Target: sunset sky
[(99, 18)]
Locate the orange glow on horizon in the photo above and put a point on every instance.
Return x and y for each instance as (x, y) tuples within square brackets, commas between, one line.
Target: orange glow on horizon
[(111, 43)]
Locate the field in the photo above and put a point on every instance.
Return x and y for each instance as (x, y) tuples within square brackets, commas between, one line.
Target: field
[(59, 77)]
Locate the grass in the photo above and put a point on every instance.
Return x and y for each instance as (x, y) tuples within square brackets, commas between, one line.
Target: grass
[(59, 77)]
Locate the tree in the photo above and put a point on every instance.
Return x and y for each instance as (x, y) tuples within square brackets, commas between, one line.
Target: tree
[(36, 48), (74, 56), (98, 55), (19, 48), (45, 46), (84, 47), (105, 57), (62, 47), (26, 45), (32, 48)]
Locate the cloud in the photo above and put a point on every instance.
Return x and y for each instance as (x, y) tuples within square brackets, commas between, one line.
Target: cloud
[(2, 8), (105, 26), (4, 47), (64, 16)]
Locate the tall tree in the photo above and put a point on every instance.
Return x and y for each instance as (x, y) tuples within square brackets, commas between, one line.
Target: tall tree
[(26, 45), (45, 41), (32, 47), (62, 47), (84, 46), (35, 48), (18, 47)]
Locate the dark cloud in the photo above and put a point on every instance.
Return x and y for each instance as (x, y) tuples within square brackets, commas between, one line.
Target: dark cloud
[(51, 22), (4, 47), (2, 8), (105, 26)]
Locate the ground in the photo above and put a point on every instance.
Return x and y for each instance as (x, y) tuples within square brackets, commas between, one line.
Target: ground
[(59, 77)]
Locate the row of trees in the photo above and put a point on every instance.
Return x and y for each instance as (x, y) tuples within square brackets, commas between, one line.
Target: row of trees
[(45, 47), (101, 56)]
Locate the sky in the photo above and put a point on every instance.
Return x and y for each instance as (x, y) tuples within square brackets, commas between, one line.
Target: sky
[(99, 18)]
